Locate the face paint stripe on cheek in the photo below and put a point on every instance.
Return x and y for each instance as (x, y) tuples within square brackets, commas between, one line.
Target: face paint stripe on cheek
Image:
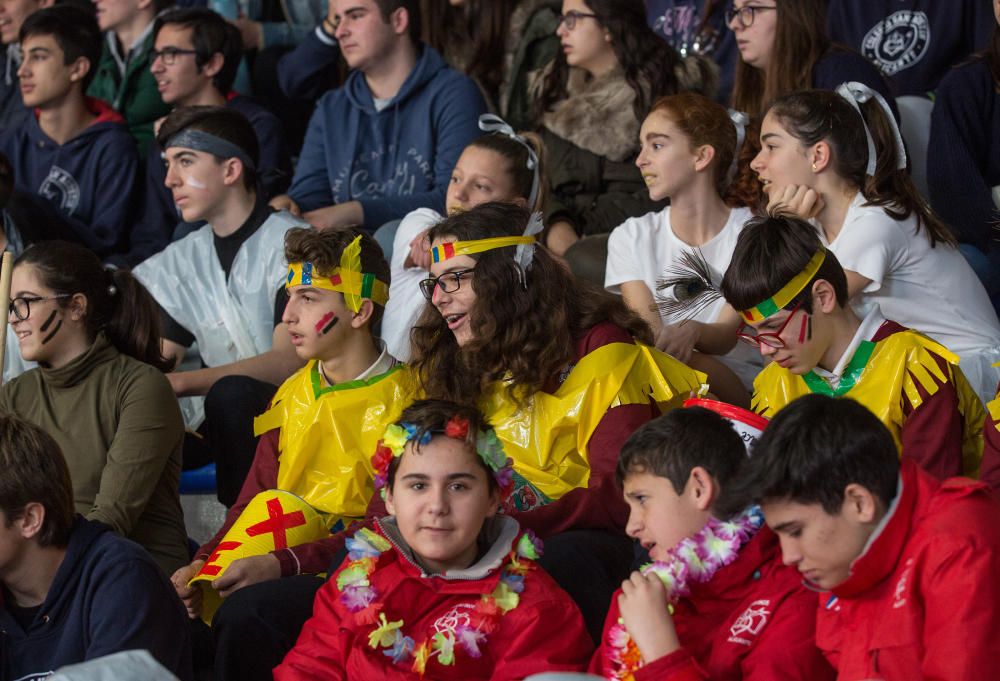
[(326, 323), (53, 333), (48, 322), (192, 182)]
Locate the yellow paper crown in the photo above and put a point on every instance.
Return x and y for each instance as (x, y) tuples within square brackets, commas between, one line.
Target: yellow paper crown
[(347, 279), (779, 300), (447, 251)]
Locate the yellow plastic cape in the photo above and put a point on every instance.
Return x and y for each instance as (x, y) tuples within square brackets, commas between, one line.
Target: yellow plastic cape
[(328, 435), (548, 437), (898, 364)]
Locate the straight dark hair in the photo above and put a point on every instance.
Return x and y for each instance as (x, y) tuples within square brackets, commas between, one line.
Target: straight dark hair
[(672, 445), (477, 31), (117, 303), (34, 471), (210, 35), (770, 252), (412, 7), (800, 40), (74, 29), (820, 115), (815, 447), (650, 64)]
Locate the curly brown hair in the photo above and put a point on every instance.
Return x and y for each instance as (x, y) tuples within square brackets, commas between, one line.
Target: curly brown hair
[(524, 332)]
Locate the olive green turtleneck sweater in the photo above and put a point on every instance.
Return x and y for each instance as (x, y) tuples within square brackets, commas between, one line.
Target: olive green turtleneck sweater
[(117, 422)]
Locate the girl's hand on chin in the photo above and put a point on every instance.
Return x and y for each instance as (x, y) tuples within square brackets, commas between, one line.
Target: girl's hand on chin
[(795, 199)]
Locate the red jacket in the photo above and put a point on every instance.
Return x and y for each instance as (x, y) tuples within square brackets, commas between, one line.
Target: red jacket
[(598, 506), (545, 632), (753, 620), (923, 602)]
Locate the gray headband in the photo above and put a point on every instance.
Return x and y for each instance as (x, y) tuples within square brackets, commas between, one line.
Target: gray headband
[(493, 123), (199, 140)]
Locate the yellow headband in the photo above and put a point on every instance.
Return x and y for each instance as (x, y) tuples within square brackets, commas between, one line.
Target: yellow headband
[(347, 279), (447, 251), (779, 300)]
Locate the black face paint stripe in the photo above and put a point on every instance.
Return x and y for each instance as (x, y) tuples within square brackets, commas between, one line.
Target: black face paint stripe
[(810, 332), (48, 322), (53, 333), (333, 322)]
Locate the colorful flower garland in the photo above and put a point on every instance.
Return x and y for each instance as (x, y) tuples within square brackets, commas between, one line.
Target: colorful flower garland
[(359, 596), (694, 560), (488, 446)]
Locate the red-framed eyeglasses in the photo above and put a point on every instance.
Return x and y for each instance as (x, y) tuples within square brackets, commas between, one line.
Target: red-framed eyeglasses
[(773, 339)]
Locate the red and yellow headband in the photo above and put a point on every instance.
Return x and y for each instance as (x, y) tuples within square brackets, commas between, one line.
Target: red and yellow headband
[(446, 251), (347, 279), (787, 293)]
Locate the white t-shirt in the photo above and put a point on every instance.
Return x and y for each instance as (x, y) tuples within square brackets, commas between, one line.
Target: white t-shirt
[(931, 290), (642, 248), (406, 302)]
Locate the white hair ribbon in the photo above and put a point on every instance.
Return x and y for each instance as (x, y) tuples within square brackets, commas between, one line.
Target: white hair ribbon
[(493, 123), (526, 252), (740, 121), (858, 93)]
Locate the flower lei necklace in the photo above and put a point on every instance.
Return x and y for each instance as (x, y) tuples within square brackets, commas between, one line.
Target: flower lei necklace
[(694, 560), (360, 598)]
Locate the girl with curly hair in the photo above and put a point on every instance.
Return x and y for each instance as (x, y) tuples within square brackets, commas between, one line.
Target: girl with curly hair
[(555, 365)]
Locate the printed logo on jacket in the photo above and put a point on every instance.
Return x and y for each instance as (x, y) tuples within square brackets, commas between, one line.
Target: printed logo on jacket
[(897, 42), (750, 623)]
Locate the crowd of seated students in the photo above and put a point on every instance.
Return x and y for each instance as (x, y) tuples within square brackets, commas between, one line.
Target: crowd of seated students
[(431, 282)]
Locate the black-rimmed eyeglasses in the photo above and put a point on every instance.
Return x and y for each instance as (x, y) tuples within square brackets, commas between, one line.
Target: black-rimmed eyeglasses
[(746, 13), (449, 282), (168, 55), (571, 17), (20, 307)]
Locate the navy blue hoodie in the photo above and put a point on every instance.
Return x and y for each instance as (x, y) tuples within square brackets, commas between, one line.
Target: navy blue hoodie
[(913, 42), (107, 596), (90, 179), (395, 160)]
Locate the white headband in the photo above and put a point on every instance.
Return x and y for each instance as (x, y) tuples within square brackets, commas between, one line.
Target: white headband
[(858, 93), (493, 123)]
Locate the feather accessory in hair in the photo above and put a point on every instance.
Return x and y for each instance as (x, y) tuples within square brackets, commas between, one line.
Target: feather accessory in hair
[(689, 280)]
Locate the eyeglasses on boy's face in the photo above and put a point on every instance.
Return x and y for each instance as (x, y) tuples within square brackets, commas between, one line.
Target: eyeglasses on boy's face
[(168, 55), (20, 307), (746, 14), (572, 16), (772, 339), (449, 282)]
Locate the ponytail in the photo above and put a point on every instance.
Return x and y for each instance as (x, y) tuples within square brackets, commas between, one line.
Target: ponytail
[(890, 186), (117, 304)]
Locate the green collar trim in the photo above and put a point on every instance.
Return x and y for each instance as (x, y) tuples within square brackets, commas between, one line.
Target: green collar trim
[(319, 390), (851, 375)]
